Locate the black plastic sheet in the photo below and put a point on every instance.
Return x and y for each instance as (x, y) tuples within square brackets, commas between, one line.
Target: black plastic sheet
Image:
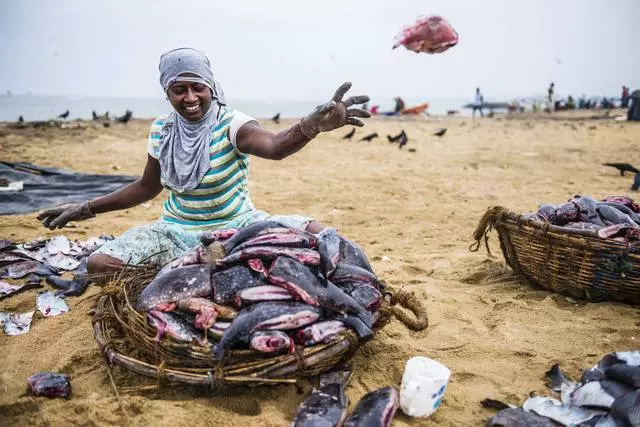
[(47, 187)]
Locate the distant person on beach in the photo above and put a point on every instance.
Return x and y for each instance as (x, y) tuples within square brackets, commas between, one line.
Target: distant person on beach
[(399, 105), (550, 93), (200, 154), (624, 99), (477, 103)]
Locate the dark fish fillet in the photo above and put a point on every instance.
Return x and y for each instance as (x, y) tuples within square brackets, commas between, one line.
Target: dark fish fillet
[(266, 315), (326, 405), (555, 378), (365, 294), (5, 244), (329, 250), (175, 326), (518, 417), (247, 233), (68, 288), (625, 374), (227, 283), (350, 253), (305, 256), (285, 237), (626, 410), (304, 285), (49, 384), (176, 284), (376, 408), (349, 273), (624, 209)]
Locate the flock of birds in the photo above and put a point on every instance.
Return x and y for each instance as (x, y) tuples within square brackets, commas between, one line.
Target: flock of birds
[(121, 119)]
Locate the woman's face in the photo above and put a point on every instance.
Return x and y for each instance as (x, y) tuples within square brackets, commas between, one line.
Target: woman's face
[(191, 100)]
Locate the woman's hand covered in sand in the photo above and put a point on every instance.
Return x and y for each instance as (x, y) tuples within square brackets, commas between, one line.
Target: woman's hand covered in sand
[(59, 216), (335, 113)]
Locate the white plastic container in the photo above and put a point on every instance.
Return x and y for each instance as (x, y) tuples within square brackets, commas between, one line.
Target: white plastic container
[(423, 385)]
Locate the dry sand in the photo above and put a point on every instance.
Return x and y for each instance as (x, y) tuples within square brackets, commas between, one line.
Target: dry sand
[(413, 213)]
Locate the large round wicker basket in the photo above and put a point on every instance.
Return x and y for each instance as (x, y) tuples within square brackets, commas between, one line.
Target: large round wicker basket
[(571, 262), (126, 339)]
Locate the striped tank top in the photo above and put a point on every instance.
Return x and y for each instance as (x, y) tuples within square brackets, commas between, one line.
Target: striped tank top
[(223, 194)]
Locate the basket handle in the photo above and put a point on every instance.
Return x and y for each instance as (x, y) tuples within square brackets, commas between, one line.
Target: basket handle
[(485, 226), (420, 320)]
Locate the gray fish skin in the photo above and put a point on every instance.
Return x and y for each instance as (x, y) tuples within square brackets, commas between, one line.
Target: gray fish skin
[(303, 255), (376, 408), (175, 285), (175, 326), (349, 273), (366, 295), (600, 394), (556, 378), (350, 253), (626, 410), (622, 208), (318, 332), (247, 233), (623, 373), (555, 410), (303, 284), (329, 250), (285, 237), (266, 315), (326, 405), (227, 283), (613, 216), (517, 417), (21, 269), (68, 288)]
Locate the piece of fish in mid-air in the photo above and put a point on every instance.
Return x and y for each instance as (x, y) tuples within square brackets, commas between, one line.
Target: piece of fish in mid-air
[(431, 34), (49, 384), (327, 404), (51, 305), (518, 417), (174, 285), (266, 315), (271, 342), (376, 408), (559, 412)]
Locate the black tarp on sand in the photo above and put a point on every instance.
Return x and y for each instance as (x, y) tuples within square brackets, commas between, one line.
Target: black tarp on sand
[(47, 187)]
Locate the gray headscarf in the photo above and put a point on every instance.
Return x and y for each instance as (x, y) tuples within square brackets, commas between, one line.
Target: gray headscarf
[(184, 145)]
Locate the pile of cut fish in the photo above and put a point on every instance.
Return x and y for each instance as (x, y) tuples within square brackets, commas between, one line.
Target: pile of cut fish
[(607, 395), (29, 263), (266, 287), (615, 217)]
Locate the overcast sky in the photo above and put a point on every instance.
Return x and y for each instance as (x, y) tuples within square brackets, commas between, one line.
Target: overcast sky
[(297, 49)]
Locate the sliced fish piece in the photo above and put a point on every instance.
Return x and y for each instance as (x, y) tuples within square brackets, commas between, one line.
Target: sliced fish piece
[(318, 332), (327, 404), (557, 411), (50, 305), (227, 283), (329, 250), (262, 293), (271, 342), (304, 285), (6, 244), (176, 327), (613, 216), (16, 323), (247, 233), (351, 253), (36, 254), (66, 287), (11, 257), (376, 408), (217, 330), (284, 237), (350, 273), (517, 417), (626, 410), (56, 245), (38, 243), (624, 209), (623, 373), (600, 394), (49, 384), (174, 285), (21, 269), (206, 311), (209, 237), (302, 255), (266, 315), (60, 261), (631, 358), (7, 289)]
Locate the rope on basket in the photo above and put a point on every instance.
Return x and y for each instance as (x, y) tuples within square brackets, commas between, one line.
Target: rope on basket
[(485, 225)]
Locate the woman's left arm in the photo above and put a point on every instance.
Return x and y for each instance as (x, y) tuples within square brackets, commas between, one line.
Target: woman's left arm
[(254, 139)]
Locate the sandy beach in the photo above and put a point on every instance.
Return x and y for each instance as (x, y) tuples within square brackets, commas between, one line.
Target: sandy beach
[(412, 212)]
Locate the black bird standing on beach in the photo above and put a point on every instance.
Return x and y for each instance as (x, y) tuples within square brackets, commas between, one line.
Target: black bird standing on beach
[(94, 115), (64, 115), (622, 167), (395, 138), (20, 119), (441, 132), (124, 119), (350, 134), (276, 118), (369, 137)]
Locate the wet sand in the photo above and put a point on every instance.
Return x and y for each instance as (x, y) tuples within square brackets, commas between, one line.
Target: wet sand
[(413, 213)]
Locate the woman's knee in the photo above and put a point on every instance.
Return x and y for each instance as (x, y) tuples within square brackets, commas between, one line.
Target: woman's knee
[(315, 227), (101, 263)]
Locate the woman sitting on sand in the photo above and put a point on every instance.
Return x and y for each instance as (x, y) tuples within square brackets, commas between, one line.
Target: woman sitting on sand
[(200, 154)]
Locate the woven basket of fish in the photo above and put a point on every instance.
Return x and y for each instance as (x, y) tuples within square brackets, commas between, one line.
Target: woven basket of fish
[(582, 248), (260, 305)]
